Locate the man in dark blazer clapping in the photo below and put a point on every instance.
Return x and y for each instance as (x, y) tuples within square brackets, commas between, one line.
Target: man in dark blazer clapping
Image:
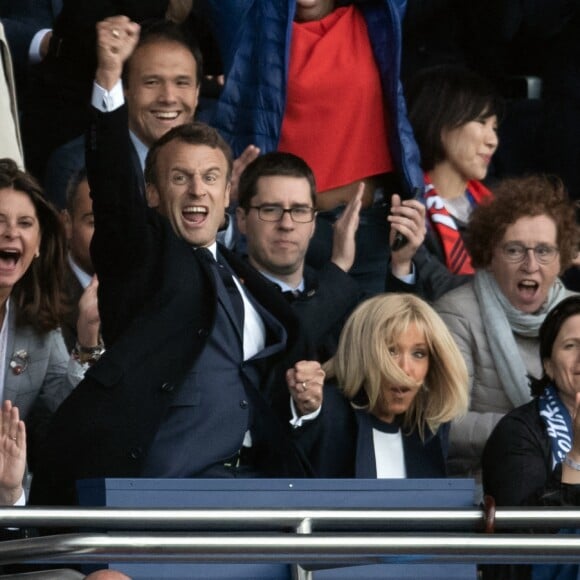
[(194, 381)]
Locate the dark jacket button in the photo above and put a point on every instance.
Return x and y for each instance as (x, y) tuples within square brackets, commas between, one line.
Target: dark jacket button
[(167, 387), (203, 332), (244, 404)]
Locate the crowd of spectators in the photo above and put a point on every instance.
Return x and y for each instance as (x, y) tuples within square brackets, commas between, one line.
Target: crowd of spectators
[(287, 238)]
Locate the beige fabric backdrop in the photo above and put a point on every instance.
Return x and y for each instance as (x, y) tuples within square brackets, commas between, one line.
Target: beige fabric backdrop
[(10, 143)]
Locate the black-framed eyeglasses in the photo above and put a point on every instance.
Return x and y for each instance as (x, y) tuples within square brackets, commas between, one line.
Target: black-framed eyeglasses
[(274, 213), (516, 252)]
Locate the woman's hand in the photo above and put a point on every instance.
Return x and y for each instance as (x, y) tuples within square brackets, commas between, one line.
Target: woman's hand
[(12, 454), (305, 381), (408, 218)]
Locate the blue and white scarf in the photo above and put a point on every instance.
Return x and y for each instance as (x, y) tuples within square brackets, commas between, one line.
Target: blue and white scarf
[(558, 423)]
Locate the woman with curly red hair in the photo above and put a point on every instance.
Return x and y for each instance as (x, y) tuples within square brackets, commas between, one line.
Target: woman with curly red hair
[(519, 242)]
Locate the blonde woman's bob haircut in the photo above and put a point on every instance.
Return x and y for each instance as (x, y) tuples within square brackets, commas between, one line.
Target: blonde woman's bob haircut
[(363, 362)]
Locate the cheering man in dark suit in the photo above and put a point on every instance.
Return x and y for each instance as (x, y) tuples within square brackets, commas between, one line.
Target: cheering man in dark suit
[(192, 383)]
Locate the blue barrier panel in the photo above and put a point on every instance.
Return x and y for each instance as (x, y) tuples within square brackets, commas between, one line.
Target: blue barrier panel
[(284, 493)]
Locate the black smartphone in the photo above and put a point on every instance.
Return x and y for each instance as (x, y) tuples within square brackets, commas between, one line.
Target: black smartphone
[(400, 240)]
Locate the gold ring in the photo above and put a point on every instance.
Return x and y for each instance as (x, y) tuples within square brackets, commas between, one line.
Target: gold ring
[(115, 33), (13, 438)]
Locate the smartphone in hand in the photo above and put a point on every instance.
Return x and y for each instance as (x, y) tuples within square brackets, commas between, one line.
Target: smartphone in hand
[(400, 240)]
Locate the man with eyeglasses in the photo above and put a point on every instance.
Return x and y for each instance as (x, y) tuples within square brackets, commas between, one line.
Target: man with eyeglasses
[(277, 214)]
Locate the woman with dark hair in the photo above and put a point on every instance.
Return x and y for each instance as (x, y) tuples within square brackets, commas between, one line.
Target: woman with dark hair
[(533, 455), (454, 114), (33, 357), (519, 242), (35, 283), (537, 445)]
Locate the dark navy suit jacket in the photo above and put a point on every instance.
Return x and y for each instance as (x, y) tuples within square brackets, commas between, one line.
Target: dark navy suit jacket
[(158, 303), (22, 19), (338, 444)]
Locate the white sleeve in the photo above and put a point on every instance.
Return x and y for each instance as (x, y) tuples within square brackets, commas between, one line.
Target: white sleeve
[(298, 421), (107, 101), (21, 501), (34, 50), (409, 278)]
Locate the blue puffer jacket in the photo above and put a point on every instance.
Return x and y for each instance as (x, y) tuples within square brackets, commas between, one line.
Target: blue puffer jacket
[(254, 39)]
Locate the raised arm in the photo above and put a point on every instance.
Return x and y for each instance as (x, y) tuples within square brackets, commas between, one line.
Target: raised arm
[(123, 239), (12, 454)]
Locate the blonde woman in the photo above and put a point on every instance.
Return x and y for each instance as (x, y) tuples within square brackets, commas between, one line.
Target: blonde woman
[(396, 382)]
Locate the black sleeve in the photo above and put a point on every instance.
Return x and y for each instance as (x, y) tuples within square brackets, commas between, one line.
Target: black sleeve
[(329, 441), (517, 460), (433, 279)]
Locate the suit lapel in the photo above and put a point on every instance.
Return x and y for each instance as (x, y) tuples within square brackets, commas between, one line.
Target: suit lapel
[(225, 301), (18, 342)]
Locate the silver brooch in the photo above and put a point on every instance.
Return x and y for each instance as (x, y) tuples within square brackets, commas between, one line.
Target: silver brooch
[(19, 362)]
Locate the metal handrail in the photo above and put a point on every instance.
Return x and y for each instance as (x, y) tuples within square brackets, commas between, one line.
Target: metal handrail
[(285, 519), (308, 550), (307, 539)]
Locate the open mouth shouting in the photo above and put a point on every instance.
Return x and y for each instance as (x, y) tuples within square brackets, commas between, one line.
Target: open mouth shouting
[(531, 294), (9, 257), (528, 288), (194, 214)]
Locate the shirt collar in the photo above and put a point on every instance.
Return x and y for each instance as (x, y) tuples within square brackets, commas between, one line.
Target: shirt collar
[(213, 249), (83, 278), (283, 285), (141, 149)]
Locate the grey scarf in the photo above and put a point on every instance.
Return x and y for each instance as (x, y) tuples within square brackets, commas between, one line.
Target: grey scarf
[(500, 321)]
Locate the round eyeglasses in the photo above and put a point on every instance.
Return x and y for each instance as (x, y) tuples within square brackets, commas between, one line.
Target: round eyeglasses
[(516, 252), (274, 213)]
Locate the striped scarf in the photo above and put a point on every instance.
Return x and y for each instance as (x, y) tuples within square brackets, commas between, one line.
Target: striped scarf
[(457, 259)]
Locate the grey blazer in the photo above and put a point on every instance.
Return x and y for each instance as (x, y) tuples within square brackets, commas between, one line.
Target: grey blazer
[(35, 368)]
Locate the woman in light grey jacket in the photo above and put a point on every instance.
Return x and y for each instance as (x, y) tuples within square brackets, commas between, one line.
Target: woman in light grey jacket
[(519, 243), (33, 357)]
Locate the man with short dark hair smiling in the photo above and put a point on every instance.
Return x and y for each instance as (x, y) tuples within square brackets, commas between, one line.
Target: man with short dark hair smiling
[(194, 382)]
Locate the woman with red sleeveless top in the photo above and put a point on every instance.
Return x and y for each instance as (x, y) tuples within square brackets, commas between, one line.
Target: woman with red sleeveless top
[(320, 79), (454, 113)]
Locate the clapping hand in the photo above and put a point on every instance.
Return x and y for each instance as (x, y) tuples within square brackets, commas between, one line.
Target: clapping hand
[(345, 227)]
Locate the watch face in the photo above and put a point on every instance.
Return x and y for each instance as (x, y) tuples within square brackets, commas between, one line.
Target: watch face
[(88, 355)]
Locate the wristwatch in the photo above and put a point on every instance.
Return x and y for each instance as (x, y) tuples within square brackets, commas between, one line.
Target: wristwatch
[(88, 354)]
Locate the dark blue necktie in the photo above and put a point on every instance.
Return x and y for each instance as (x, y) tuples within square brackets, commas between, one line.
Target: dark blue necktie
[(228, 281)]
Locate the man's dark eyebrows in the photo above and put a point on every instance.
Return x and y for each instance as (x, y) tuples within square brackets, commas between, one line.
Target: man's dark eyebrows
[(213, 168), (292, 205)]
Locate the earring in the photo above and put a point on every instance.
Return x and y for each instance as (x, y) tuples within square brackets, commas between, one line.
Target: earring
[(37, 254)]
